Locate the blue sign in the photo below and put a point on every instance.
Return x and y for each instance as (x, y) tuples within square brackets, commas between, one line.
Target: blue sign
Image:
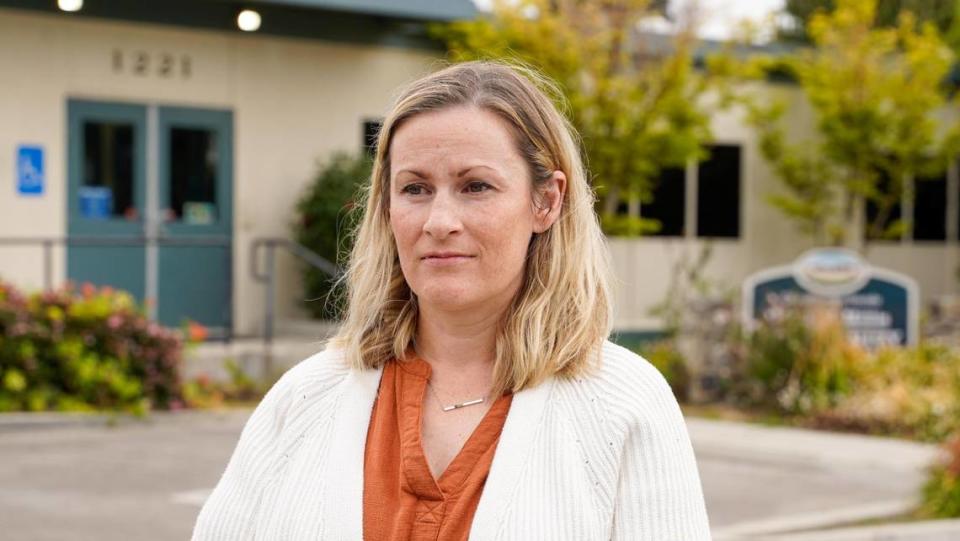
[(30, 170), (878, 306), (96, 202)]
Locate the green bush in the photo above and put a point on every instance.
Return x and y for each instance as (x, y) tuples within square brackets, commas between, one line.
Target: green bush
[(324, 224), (87, 350), (941, 493), (798, 361), (912, 392)]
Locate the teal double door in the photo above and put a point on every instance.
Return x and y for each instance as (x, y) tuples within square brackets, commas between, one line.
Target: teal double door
[(149, 207)]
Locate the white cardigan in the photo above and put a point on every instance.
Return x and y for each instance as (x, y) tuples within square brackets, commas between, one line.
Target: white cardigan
[(603, 457)]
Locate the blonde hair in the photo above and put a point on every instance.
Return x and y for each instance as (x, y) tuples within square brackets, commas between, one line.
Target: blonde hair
[(561, 314)]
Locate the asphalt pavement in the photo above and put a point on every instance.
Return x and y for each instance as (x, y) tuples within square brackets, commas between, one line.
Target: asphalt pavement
[(76, 478)]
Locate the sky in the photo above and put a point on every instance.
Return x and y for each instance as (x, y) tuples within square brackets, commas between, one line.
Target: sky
[(720, 17)]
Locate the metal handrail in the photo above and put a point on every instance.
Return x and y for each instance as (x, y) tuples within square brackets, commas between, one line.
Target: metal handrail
[(267, 276), (103, 240), (268, 279)]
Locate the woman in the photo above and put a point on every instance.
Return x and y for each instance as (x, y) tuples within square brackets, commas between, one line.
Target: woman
[(471, 391)]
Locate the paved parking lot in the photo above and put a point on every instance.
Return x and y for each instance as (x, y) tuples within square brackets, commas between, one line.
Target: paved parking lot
[(120, 483), (145, 480)]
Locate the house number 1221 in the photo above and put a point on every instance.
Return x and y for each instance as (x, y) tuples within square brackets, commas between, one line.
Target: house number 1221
[(143, 64)]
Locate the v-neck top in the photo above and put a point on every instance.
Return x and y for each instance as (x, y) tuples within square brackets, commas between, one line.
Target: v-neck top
[(401, 499)]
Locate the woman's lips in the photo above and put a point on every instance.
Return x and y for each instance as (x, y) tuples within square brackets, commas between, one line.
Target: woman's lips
[(442, 261)]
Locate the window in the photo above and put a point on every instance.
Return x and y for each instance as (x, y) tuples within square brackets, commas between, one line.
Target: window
[(930, 208), (108, 149), (718, 193), (193, 175), (718, 197), (668, 204)]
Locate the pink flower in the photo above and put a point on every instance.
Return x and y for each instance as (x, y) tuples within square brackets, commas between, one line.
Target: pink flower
[(114, 322)]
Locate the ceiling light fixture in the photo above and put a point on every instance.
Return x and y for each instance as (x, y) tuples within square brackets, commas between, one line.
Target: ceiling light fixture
[(70, 5), (248, 20)]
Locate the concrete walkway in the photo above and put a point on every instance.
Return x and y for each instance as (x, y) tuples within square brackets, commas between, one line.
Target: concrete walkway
[(803, 480)]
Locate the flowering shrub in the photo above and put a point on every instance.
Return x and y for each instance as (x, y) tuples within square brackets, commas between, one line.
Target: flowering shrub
[(912, 392), (797, 360), (84, 350), (204, 392)]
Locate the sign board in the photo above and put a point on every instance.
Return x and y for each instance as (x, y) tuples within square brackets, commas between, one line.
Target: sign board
[(199, 213), (878, 306), (96, 202), (29, 170)]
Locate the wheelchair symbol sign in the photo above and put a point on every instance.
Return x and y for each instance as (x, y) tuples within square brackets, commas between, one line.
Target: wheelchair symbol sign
[(30, 170)]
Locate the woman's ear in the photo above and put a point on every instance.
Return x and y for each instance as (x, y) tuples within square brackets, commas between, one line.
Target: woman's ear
[(551, 194)]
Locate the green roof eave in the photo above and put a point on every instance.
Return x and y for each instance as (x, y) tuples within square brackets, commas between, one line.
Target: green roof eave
[(423, 10), (400, 23)]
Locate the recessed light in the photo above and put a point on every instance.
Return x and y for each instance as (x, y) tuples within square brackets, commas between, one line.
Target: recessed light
[(70, 5), (248, 20)]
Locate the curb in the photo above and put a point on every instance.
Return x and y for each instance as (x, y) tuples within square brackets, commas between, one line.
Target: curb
[(26, 421), (761, 529), (932, 530), (10, 422)]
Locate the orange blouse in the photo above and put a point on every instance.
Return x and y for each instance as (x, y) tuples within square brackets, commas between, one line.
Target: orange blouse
[(401, 499)]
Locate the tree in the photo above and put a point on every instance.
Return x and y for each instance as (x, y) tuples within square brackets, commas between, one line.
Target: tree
[(941, 13), (873, 91), (635, 98)]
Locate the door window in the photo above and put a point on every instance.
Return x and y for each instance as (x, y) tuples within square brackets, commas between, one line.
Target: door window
[(107, 184), (193, 176)]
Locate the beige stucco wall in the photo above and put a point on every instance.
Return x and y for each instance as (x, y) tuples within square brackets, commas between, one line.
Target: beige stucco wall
[(294, 101)]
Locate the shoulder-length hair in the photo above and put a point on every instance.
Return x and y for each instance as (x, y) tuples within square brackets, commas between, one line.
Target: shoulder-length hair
[(561, 314)]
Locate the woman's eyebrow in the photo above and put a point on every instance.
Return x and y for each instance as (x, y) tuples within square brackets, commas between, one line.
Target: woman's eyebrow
[(413, 172), (462, 172), (466, 170)]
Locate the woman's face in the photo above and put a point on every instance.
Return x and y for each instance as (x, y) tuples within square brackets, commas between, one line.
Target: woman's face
[(462, 209)]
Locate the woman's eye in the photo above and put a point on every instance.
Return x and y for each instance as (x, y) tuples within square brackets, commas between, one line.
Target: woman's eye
[(412, 189), (478, 187)]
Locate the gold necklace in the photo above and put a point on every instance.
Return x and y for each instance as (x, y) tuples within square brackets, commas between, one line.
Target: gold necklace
[(457, 406)]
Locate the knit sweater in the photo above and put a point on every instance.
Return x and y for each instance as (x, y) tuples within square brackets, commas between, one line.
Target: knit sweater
[(606, 456)]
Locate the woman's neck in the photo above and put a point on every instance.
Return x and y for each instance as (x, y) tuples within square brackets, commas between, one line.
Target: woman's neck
[(460, 347)]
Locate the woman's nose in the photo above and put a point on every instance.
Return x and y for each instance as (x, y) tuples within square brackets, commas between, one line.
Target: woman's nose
[(443, 218)]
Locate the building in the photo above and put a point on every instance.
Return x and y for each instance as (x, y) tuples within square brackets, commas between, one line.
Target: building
[(724, 203), (161, 121)]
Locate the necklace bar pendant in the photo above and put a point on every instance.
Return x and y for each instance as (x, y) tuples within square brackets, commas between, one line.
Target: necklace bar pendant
[(463, 404)]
